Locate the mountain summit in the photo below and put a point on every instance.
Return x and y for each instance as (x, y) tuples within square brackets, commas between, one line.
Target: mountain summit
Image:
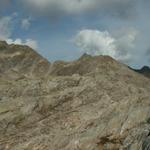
[(21, 60), (93, 103)]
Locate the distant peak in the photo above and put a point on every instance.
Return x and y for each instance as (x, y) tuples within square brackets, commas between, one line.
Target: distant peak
[(144, 68), (3, 45), (85, 56)]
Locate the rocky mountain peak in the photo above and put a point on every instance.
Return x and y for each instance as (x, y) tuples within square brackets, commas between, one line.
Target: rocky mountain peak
[(86, 64), (21, 60), (85, 56), (3, 45)]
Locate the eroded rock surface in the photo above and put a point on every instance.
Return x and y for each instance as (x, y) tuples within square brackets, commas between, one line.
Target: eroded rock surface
[(93, 103)]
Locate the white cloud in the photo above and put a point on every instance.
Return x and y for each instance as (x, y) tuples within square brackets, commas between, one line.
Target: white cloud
[(97, 42), (32, 43), (6, 24), (25, 24), (126, 42), (29, 42)]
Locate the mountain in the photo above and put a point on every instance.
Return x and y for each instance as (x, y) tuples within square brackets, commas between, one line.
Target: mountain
[(144, 70), (17, 60), (93, 103)]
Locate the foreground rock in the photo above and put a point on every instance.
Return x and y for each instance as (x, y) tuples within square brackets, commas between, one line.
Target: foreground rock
[(94, 103)]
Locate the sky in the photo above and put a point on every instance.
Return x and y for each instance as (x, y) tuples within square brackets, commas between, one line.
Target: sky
[(65, 29)]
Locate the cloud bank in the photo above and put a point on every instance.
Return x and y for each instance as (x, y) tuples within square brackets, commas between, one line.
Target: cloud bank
[(57, 8), (97, 42), (31, 43)]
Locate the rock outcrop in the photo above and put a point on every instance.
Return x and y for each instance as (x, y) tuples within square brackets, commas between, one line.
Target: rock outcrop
[(93, 103)]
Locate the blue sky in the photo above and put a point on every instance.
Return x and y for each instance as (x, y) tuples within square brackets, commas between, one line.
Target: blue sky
[(65, 29)]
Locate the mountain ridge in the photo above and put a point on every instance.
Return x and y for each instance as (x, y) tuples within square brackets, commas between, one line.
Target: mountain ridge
[(8, 52)]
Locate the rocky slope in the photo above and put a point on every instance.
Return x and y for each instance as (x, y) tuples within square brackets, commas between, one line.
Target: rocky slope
[(93, 103)]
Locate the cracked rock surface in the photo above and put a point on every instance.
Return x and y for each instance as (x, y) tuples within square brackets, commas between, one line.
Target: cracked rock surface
[(93, 103)]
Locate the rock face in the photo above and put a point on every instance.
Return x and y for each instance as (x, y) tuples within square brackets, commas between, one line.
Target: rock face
[(93, 103)]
